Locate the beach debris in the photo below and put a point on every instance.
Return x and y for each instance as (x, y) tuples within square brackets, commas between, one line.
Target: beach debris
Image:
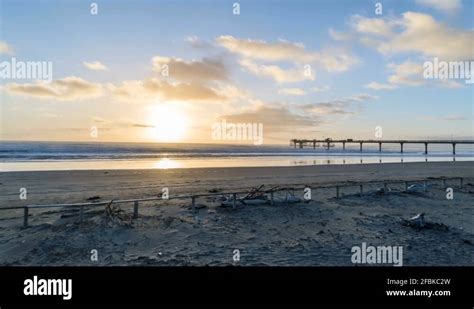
[(383, 191), (114, 215), (214, 190), (256, 196), (418, 187), (419, 222), (93, 198)]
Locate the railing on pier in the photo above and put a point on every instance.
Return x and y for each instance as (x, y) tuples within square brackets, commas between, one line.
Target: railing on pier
[(328, 143)]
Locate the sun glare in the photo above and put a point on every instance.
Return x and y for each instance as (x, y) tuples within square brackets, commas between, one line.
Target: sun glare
[(169, 123), (166, 163)]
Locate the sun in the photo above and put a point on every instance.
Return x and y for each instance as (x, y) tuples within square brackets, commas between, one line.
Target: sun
[(169, 123)]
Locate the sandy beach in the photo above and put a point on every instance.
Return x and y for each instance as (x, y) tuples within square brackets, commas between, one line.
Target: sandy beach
[(169, 233)]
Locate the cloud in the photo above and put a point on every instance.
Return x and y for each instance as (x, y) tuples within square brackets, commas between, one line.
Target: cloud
[(417, 33), (95, 66), (292, 91), (276, 118), (98, 119), (342, 106), (339, 36), (5, 48), (195, 80), (375, 26), (454, 118), (140, 125), (195, 42), (409, 73), (196, 71), (66, 89), (449, 6), (261, 50), (300, 92), (254, 51), (379, 86), (276, 73), (153, 88)]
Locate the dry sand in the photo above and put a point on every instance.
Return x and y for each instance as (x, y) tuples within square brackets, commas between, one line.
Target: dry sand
[(321, 232)]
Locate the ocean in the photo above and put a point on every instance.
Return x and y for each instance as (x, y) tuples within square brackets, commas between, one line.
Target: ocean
[(31, 156)]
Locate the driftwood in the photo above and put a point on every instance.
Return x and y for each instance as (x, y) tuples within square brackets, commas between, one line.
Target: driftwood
[(419, 222), (114, 215)]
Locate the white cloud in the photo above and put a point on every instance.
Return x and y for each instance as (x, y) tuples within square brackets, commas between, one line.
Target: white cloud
[(379, 86), (261, 50), (292, 91), (409, 73), (418, 33), (449, 6), (276, 73), (254, 51), (376, 26), (95, 66), (300, 92)]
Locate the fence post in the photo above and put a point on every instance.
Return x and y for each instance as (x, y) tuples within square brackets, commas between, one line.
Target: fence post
[(135, 209), (25, 217)]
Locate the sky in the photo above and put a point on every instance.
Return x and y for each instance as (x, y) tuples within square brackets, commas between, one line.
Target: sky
[(170, 71)]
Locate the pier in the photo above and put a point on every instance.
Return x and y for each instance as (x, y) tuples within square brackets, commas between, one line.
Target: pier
[(329, 143)]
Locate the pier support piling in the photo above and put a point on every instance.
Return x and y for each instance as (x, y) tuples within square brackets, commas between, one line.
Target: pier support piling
[(401, 147), (360, 146), (454, 148), (426, 148), (25, 217), (380, 147), (135, 210)]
